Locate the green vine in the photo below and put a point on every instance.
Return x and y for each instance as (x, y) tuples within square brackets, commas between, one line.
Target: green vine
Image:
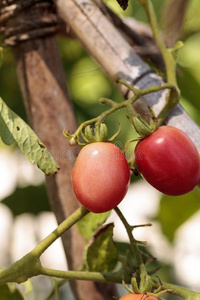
[(30, 265), (114, 107), (169, 57)]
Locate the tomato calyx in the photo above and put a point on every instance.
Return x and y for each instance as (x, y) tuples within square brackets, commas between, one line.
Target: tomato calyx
[(91, 133), (141, 126), (148, 293), (98, 133), (145, 287)]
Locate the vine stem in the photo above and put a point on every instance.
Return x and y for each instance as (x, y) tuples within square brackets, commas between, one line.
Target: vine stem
[(168, 57), (169, 60), (65, 225), (183, 292), (145, 279), (133, 242), (113, 277), (117, 106), (30, 265)]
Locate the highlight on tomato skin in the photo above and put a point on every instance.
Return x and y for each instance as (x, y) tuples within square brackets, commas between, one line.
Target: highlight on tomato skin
[(100, 176), (137, 297), (169, 160)]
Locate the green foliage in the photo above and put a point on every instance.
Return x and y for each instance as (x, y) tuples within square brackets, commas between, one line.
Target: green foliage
[(175, 210), (10, 292), (101, 252), (9, 84), (89, 224), (190, 90), (13, 128), (91, 82), (30, 199)]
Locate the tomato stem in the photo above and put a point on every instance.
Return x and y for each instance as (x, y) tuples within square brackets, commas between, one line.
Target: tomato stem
[(177, 290), (128, 104), (169, 57), (145, 279)]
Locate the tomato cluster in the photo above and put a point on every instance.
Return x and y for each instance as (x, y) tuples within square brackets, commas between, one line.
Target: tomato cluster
[(167, 159)]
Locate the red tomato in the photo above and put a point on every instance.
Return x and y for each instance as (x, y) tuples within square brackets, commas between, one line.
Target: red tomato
[(169, 161), (100, 176), (137, 297)]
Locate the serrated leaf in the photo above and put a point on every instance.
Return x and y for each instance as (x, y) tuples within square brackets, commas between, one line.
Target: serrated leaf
[(102, 253), (89, 224), (7, 293), (13, 128), (175, 210)]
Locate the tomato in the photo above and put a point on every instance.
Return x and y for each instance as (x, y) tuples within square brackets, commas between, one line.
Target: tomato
[(169, 161), (100, 176), (137, 297)]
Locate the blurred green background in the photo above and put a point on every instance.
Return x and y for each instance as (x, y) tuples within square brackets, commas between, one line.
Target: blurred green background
[(87, 83)]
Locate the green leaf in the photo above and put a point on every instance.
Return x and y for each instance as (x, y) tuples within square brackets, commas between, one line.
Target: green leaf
[(89, 224), (13, 128), (102, 253), (18, 204), (175, 210), (10, 292)]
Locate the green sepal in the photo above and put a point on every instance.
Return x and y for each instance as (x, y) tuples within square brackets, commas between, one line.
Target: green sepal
[(142, 127), (97, 133)]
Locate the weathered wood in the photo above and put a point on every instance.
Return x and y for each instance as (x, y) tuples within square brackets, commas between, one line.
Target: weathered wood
[(50, 111), (44, 89), (117, 58)]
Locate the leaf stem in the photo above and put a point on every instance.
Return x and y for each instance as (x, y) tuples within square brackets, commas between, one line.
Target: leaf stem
[(145, 279), (133, 242)]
